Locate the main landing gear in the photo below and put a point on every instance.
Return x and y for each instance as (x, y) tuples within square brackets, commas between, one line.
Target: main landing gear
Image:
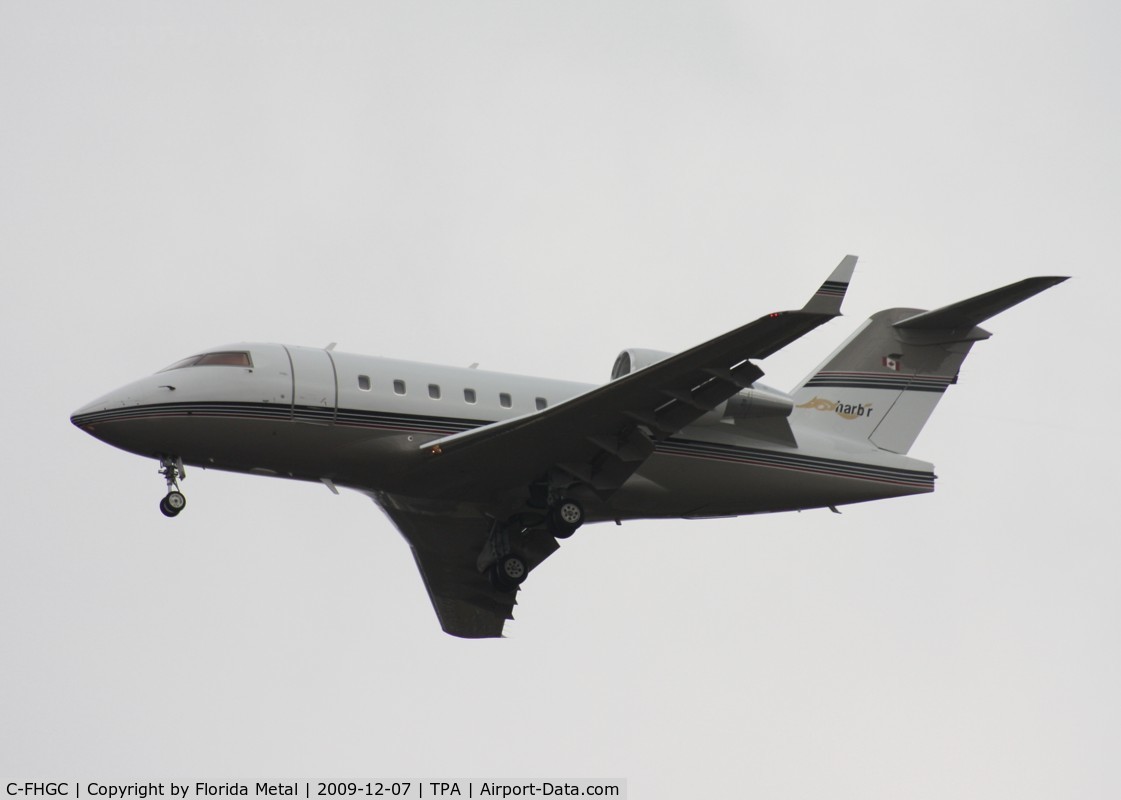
[(565, 516), (174, 501), (507, 568), (508, 572)]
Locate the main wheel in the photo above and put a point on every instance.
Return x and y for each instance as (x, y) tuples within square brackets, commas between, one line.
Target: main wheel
[(565, 517), (173, 503), (508, 572)]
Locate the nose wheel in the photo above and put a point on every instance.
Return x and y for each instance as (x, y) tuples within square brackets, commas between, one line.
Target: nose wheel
[(174, 501)]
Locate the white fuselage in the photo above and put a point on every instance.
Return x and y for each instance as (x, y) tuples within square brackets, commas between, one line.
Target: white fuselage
[(360, 421)]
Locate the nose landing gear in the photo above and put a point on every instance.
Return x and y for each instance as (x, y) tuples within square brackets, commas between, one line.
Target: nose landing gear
[(172, 470)]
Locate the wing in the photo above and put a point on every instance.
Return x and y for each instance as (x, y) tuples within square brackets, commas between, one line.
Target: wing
[(601, 437), (446, 543)]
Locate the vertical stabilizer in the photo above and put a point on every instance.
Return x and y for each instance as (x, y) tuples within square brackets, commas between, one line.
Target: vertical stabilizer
[(885, 381)]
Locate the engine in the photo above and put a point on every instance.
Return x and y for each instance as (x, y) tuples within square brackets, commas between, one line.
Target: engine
[(759, 401), (754, 403), (635, 359)]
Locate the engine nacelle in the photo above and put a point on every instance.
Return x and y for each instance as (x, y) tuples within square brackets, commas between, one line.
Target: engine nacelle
[(759, 401), (754, 403), (634, 359)]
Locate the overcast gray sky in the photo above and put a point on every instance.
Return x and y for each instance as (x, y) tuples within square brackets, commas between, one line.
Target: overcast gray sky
[(535, 187)]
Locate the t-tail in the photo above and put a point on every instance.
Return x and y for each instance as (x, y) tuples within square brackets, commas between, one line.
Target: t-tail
[(884, 382)]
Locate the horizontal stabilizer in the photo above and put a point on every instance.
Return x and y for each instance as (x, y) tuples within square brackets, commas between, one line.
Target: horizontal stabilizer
[(968, 313), (882, 385)]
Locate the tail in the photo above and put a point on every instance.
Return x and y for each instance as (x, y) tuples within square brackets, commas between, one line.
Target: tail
[(884, 382)]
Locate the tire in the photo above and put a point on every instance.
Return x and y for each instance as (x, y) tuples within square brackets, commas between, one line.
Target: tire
[(565, 517), (172, 504), (176, 501), (508, 572)]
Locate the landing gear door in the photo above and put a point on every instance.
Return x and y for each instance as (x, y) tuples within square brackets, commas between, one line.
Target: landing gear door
[(315, 387)]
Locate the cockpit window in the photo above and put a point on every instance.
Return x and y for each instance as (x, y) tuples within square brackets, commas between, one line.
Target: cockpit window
[(230, 359), (224, 360)]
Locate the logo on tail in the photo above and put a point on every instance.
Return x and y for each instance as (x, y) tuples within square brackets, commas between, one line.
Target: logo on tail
[(843, 410)]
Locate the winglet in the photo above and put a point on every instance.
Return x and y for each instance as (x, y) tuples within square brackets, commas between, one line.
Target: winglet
[(827, 299)]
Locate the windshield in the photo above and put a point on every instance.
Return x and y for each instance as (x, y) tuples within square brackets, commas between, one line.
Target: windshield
[(225, 359)]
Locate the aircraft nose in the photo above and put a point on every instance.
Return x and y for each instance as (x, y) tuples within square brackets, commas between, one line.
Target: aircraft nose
[(83, 413), (117, 419), (107, 412), (88, 416)]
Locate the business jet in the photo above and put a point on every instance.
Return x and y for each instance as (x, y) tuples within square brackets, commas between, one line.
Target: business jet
[(483, 472)]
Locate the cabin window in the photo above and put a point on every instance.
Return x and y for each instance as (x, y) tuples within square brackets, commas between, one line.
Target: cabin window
[(469, 396), (542, 403), (434, 391), (399, 387), (505, 400), (364, 382)]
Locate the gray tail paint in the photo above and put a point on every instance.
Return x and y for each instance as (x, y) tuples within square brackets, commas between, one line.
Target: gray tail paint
[(884, 382)]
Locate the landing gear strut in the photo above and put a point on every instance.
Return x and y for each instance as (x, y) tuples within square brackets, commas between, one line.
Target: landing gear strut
[(505, 568), (174, 501)]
